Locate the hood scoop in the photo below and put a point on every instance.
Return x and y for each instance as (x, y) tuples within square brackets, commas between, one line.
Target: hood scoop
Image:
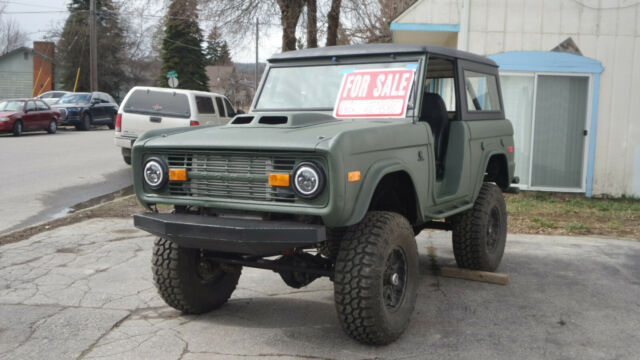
[(296, 120)]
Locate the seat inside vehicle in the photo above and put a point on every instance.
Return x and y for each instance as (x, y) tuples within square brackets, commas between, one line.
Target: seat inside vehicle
[(439, 106)]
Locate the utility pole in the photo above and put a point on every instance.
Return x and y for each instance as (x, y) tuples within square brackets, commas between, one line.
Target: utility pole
[(257, 63), (93, 47)]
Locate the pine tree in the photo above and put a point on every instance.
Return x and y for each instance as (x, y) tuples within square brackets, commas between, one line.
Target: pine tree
[(217, 50), (182, 47), (73, 47)]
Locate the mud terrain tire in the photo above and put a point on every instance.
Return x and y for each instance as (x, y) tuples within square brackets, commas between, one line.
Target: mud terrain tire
[(480, 233), (376, 278), (187, 283)]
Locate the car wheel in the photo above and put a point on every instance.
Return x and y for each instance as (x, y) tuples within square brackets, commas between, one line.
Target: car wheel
[(85, 122), (53, 126), (17, 128), (112, 122), (376, 278), (480, 233), (188, 282)]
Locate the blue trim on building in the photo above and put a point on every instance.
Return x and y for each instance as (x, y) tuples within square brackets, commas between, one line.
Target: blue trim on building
[(550, 61), (424, 27), (592, 133), (546, 61)]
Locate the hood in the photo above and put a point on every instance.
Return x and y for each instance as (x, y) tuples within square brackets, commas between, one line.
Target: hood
[(299, 133), (64, 106), (7, 113)]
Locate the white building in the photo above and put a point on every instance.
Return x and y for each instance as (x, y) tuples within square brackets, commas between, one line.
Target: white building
[(576, 117)]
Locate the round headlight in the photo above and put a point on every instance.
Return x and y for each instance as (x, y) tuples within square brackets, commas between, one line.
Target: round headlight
[(308, 180), (155, 173)]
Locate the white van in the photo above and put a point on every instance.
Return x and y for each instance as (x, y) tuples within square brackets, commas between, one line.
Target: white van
[(146, 108)]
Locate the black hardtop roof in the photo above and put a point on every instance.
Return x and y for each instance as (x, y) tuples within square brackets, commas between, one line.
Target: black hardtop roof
[(377, 49)]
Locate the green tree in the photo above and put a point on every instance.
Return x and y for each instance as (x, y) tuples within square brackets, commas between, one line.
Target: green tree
[(73, 47), (217, 50), (182, 47)]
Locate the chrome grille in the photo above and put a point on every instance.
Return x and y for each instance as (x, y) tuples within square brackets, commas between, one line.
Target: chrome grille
[(231, 176)]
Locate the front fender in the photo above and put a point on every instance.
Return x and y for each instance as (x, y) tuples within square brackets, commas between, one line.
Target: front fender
[(361, 199)]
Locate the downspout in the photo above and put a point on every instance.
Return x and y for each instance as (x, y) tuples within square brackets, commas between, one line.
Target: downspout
[(463, 35)]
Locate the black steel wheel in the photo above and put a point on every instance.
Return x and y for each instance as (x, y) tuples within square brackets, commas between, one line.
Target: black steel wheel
[(17, 128), (376, 278), (85, 122), (480, 233)]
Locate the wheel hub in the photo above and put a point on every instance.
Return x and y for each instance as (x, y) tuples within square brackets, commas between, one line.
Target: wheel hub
[(394, 279)]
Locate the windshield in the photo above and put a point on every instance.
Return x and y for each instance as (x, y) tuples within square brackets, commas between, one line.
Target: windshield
[(313, 87), (75, 99), (11, 105)]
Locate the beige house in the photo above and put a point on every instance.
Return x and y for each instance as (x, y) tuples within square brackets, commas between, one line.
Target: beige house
[(575, 110)]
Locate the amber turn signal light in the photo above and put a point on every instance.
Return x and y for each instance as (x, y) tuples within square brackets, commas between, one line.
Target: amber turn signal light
[(354, 176), (177, 174), (279, 179)]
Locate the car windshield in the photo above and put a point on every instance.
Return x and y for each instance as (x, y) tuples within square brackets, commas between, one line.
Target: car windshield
[(11, 105), (314, 87), (75, 99)]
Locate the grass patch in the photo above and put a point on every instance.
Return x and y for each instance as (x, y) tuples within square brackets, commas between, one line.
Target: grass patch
[(559, 213)]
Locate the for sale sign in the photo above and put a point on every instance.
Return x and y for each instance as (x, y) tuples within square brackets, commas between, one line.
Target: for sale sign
[(374, 93)]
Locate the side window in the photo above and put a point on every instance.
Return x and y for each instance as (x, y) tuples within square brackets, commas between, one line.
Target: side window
[(31, 106), (220, 107), (41, 105), (46, 95), (205, 105), (229, 107), (482, 91)]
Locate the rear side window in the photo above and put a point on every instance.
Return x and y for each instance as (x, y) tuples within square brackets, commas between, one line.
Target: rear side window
[(205, 105), (230, 111), (482, 91), (31, 106), (220, 107), (162, 103), (41, 105)]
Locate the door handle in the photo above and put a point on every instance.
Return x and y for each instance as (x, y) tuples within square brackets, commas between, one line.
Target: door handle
[(155, 119), (585, 132)]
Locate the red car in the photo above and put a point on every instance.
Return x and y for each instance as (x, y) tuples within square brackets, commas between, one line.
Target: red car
[(18, 115)]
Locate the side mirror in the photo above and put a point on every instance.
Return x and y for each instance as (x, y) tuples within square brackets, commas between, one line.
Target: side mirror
[(240, 112), (95, 101)]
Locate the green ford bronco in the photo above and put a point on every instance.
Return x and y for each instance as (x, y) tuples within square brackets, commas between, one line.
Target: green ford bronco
[(347, 153)]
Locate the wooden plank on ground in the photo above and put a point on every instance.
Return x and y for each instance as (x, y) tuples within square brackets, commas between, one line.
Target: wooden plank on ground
[(475, 275)]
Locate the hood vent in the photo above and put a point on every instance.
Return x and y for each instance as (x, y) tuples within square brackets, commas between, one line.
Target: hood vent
[(242, 120), (273, 120)]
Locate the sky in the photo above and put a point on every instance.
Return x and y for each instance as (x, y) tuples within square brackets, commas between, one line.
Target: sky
[(37, 17)]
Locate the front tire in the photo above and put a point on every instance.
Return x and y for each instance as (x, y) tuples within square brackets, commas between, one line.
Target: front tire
[(85, 122), (187, 282), (112, 123), (376, 278), (53, 127), (480, 233), (17, 128)]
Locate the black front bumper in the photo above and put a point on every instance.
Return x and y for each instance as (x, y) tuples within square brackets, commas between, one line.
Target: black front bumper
[(231, 235)]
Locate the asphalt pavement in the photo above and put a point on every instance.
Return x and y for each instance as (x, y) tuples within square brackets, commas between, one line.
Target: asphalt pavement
[(86, 291), (44, 175)]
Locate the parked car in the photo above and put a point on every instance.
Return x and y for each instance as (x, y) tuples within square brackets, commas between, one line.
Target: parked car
[(148, 108), (347, 153), (19, 115), (86, 109), (52, 97)]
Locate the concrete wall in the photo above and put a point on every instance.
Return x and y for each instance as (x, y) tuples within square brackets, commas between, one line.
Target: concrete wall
[(16, 74), (605, 30)]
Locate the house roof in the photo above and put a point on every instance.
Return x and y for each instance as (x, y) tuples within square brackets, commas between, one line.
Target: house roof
[(30, 50), (377, 49)]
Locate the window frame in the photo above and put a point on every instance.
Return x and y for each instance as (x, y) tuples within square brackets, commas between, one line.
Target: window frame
[(456, 84), (220, 105), (470, 115)]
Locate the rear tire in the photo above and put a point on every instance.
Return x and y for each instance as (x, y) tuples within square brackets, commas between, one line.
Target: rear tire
[(17, 128), (112, 123), (187, 282), (53, 127), (376, 278), (480, 233)]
